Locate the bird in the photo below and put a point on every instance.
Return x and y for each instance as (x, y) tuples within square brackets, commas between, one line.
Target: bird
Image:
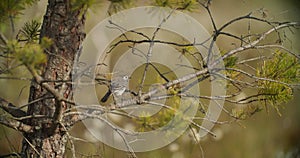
[(117, 87)]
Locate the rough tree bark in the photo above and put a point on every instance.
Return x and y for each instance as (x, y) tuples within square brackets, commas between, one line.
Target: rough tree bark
[(45, 130), (64, 26)]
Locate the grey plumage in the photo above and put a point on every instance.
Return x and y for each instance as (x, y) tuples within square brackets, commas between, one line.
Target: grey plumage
[(117, 87)]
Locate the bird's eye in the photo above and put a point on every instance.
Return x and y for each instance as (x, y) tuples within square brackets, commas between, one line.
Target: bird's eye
[(125, 77)]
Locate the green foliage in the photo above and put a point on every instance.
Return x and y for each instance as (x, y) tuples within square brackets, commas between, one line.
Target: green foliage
[(12, 8), (245, 112), (163, 3), (46, 42), (165, 115), (79, 4), (29, 54), (283, 68), (118, 5), (30, 32), (148, 122), (188, 5), (230, 62)]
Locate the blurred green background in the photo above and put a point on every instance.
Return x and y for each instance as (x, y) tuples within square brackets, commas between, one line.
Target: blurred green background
[(263, 135)]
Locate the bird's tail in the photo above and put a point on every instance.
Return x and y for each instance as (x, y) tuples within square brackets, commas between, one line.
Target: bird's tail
[(106, 96)]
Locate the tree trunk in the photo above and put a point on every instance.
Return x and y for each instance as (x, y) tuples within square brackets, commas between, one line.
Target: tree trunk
[(64, 26)]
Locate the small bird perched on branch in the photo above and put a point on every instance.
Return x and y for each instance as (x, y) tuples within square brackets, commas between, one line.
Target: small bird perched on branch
[(117, 87)]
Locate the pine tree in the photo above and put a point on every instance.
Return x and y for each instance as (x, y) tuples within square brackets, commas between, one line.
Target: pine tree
[(49, 48)]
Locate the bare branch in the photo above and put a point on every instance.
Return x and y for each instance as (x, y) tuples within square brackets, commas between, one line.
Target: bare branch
[(120, 131), (61, 100), (252, 44), (11, 155), (279, 47), (14, 124), (15, 78), (259, 78), (122, 29), (11, 109), (174, 82), (3, 38)]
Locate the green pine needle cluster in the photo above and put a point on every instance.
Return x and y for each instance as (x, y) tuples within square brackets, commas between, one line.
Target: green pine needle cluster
[(283, 68), (30, 32), (13, 8), (245, 112), (28, 49), (188, 5), (118, 5), (148, 122), (29, 54), (79, 4), (230, 62)]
